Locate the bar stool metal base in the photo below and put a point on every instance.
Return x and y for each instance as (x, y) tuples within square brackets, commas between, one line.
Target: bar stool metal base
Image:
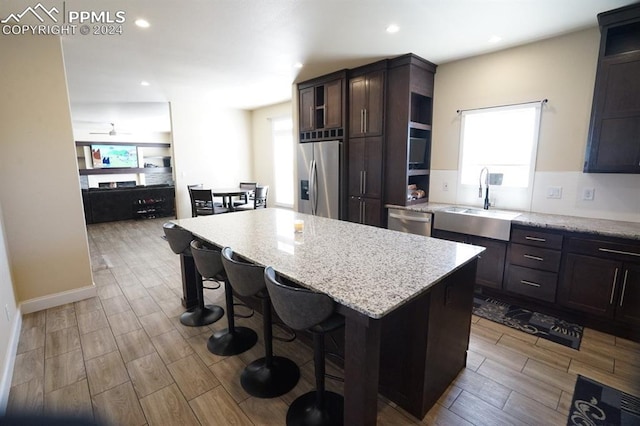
[(305, 411), (268, 382), (225, 343), (198, 317)]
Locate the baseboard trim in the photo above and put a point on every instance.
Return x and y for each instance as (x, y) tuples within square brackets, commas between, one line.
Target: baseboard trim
[(57, 299), (10, 360)]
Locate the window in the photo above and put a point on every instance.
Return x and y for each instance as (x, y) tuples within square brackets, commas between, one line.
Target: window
[(282, 133), (505, 141)]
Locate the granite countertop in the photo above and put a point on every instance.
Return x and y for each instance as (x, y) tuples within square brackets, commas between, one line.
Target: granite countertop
[(368, 269), (603, 227)]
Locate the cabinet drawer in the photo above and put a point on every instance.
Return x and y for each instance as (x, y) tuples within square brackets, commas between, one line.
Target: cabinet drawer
[(530, 282), (536, 238), (605, 249), (534, 257)]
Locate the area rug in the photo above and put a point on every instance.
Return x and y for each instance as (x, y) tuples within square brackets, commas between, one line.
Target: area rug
[(541, 325), (597, 404)]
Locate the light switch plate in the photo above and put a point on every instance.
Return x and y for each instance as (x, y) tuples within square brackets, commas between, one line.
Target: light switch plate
[(554, 192), (588, 194)]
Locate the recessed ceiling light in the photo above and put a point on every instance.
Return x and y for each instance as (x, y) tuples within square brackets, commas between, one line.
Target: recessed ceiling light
[(298, 65), (142, 23), (495, 39), (144, 83), (393, 28)]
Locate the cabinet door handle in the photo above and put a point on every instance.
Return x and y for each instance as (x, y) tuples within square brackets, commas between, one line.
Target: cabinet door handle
[(532, 284), (362, 120), (361, 182), (364, 212), (529, 256), (628, 253), (311, 117), (365, 121), (361, 213), (540, 240), (613, 289), (364, 182), (624, 286)]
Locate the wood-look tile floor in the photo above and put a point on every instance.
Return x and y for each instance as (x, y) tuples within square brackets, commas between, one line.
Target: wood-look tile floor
[(124, 358)]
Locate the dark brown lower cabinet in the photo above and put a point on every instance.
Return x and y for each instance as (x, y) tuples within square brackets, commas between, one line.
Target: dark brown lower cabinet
[(490, 262), (607, 285), (424, 343), (588, 284), (367, 211), (628, 309)]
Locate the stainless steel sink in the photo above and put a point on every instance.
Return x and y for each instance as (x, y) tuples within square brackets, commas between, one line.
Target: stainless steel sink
[(494, 224)]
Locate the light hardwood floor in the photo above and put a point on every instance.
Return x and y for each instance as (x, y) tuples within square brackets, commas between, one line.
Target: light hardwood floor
[(124, 358)]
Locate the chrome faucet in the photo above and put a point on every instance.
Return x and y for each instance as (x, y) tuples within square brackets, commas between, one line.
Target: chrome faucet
[(486, 183)]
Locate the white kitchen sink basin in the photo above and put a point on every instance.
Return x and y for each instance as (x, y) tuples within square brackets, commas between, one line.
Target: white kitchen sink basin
[(494, 224)]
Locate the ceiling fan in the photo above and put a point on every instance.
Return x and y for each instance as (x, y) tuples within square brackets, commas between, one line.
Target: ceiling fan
[(111, 132)]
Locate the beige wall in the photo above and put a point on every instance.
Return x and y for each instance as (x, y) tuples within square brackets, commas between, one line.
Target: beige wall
[(262, 143), (561, 69), (39, 187), (211, 146)]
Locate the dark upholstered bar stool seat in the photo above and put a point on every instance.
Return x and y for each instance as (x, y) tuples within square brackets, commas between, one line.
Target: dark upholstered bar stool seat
[(232, 340), (180, 242), (271, 375), (303, 309)]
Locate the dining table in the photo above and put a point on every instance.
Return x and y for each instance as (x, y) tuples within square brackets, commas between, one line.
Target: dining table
[(227, 195), (407, 299)]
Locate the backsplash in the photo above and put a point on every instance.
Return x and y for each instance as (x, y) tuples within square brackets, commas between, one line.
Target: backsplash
[(615, 196)]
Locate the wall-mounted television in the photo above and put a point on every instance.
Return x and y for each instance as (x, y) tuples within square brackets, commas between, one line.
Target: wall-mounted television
[(114, 156)]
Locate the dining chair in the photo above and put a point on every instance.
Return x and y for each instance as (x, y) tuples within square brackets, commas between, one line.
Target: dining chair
[(244, 199), (202, 203), (259, 199)]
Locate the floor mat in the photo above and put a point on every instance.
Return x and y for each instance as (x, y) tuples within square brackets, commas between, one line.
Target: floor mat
[(541, 325), (597, 404)]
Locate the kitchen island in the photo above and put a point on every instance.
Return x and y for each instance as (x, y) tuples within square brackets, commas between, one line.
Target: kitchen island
[(407, 299)]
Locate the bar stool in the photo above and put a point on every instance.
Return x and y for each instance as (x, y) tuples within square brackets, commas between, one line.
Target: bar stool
[(232, 340), (180, 242), (271, 375), (303, 309)]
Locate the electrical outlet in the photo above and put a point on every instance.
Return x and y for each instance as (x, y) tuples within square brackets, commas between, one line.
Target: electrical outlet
[(554, 192), (445, 186), (588, 194), (6, 311)]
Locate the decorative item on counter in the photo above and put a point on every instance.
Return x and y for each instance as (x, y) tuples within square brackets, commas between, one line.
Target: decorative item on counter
[(414, 193), (298, 226)]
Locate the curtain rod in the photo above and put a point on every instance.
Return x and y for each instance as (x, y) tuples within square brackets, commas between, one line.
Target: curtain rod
[(542, 101)]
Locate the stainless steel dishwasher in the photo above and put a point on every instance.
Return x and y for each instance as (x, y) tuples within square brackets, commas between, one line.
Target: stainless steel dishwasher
[(410, 221)]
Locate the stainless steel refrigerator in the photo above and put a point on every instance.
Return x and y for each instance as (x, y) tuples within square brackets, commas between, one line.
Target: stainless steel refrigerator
[(320, 177)]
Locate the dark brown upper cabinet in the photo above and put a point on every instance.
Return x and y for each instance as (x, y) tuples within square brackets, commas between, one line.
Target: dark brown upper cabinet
[(322, 108), (614, 131), (366, 104)]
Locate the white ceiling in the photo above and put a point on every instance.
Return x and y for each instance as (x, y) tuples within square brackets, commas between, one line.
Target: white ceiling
[(239, 53)]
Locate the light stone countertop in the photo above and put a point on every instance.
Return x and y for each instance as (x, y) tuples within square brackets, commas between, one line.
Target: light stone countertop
[(368, 269), (603, 227)]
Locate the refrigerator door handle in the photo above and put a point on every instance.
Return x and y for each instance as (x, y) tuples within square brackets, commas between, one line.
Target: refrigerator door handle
[(311, 187), (315, 187)]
